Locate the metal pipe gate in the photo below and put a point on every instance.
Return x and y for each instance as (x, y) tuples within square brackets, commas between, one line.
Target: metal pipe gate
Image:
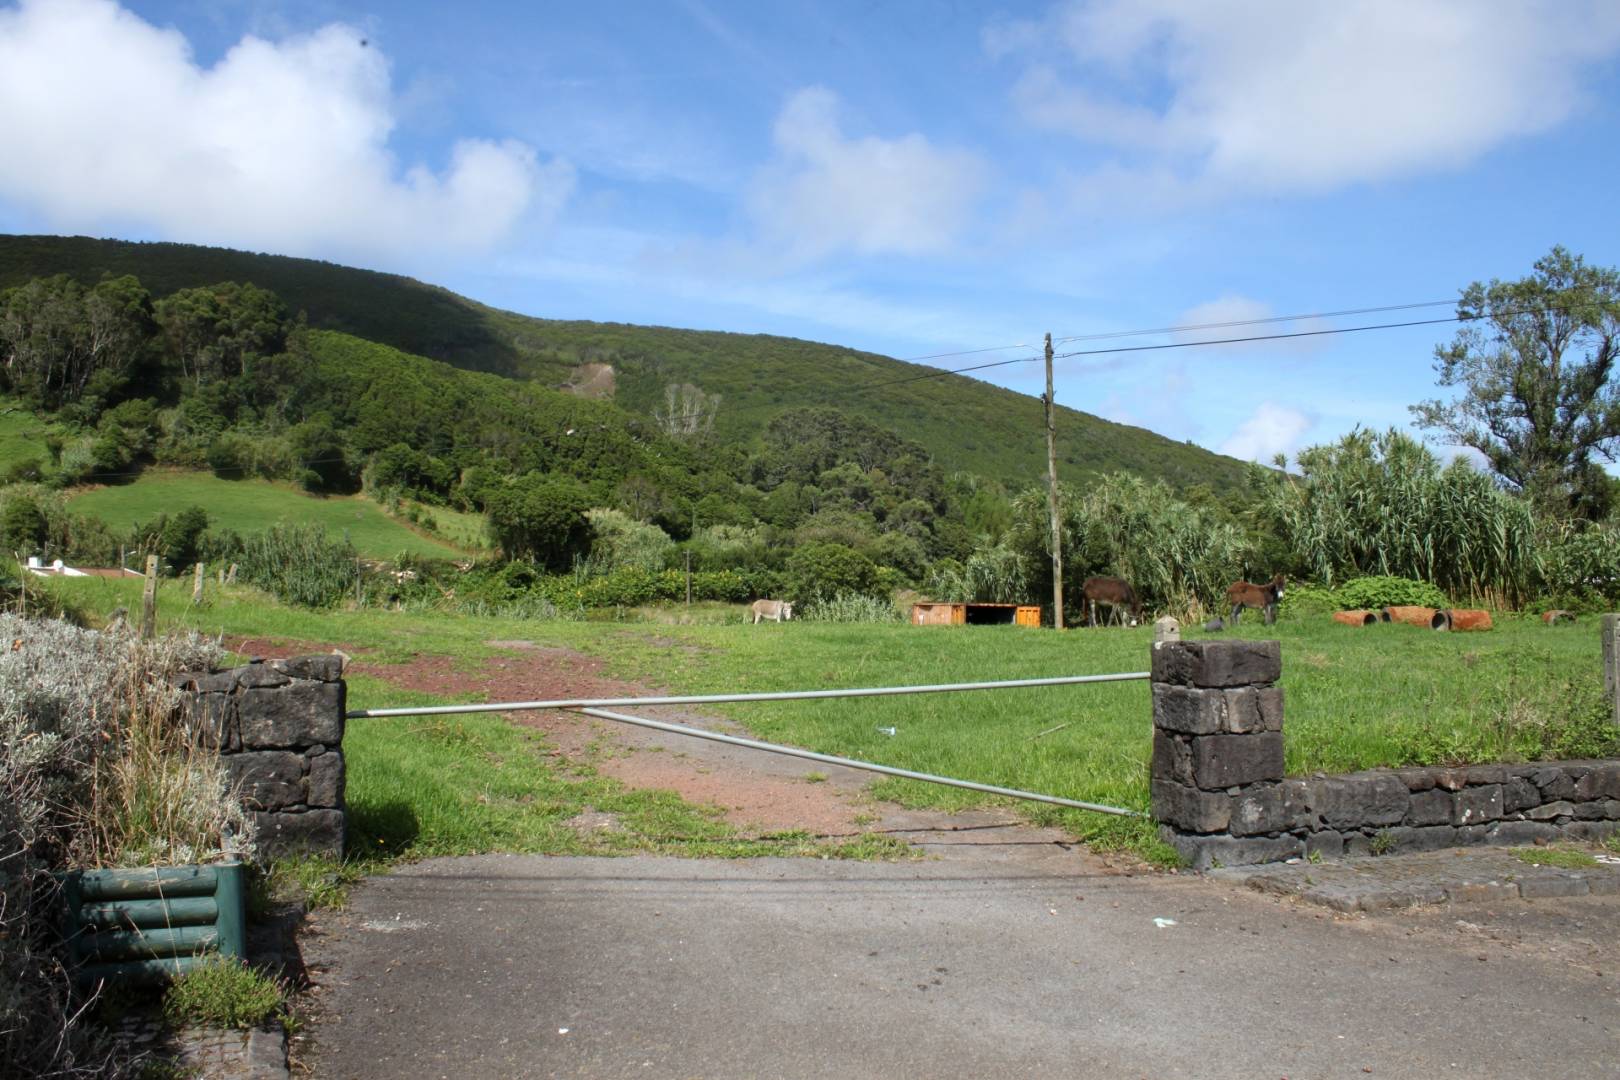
[(596, 707)]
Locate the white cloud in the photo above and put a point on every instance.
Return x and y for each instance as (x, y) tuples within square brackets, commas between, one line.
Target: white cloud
[(107, 120), (1267, 96), (1271, 430), (827, 193)]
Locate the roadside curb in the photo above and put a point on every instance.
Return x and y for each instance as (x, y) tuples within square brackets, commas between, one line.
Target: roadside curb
[(1394, 882)]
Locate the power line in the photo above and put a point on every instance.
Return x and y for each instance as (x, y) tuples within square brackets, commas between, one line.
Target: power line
[(1184, 328), (966, 352), (1265, 337), (1212, 341), (1256, 322)]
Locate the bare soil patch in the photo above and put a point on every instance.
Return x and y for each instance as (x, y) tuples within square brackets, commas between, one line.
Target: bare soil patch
[(592, 381), (757, 792)]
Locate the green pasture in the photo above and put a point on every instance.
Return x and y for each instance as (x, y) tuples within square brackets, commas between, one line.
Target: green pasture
[(1356, 698), (255, 505), (22, 435), (457, 527)]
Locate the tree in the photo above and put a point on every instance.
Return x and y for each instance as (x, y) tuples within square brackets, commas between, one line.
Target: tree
[(539, 518), (22, 525), (215, 330), (823, 571), (1536, 362)]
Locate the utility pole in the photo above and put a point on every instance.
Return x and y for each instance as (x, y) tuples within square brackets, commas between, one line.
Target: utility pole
[(1052, 493)]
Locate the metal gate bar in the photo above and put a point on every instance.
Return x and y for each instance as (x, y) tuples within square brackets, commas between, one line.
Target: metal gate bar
[(714, 699), (887, 770)]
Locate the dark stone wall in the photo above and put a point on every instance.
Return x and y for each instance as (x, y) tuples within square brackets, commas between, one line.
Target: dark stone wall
[(278, 726), (1221, 797)]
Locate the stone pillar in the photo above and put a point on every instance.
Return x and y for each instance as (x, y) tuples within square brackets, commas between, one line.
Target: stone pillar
[(278, 726), (1217, 779)]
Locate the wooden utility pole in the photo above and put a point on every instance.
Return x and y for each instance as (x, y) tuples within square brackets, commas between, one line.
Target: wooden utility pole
[(149, 600), (1052, 493)]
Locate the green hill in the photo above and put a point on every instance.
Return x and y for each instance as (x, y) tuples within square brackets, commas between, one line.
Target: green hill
[(966, 424)]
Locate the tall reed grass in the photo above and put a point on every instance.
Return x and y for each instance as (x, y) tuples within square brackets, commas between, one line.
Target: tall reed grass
[(1382, 504), (299, 562)]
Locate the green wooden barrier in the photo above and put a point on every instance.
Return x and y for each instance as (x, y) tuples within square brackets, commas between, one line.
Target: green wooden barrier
[(155, 922)]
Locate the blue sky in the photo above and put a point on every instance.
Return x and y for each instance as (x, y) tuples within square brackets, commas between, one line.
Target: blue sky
[(907, 177)]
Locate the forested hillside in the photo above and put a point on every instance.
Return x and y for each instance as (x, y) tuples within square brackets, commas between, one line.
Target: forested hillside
[(736, 383), (767, 466)]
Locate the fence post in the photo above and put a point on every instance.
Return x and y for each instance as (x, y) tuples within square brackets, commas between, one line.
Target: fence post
[(197, 586), (149, 599), (1611, 663)]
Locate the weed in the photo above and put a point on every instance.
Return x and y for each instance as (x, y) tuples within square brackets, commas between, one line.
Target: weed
[(316, 882), (1563, 858), (1314, 857), (815, 778), (1383, 842), (163, 1069), (223, 992)]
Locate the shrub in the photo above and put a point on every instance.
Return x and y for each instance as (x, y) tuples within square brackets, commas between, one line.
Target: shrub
[(851, 608), (1385, 591), (539, 518), (22, 525), (298, 563), (1303, 599), (822, 571), (93, 771), (1581, 567), (619, 542)]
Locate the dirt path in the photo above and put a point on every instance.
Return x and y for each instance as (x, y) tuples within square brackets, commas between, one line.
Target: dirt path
[(758, 792)]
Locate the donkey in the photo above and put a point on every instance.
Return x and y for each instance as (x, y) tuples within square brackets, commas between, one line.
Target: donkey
[(1242, 595), (776, 610), (1116, 593)]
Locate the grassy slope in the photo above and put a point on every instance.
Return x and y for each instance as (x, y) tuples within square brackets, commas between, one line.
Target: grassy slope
[(966, 424), (1356, 698), (22, 435), (254, 505)]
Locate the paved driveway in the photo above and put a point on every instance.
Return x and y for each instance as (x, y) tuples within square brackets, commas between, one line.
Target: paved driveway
[(1002, 955)]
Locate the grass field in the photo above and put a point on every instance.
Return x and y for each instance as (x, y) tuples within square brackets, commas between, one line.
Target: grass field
[(1356, 698), (22, 434), (455, 527), (254, 505)]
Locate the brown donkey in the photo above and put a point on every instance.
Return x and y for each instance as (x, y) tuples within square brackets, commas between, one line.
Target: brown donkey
[(1116, 593), (1265, 597)]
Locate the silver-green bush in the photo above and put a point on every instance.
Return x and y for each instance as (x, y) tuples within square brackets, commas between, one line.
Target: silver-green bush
[(95, 769)]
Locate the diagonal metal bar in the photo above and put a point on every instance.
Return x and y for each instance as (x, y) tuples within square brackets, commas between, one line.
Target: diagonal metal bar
[(829, 759), (715, 699)]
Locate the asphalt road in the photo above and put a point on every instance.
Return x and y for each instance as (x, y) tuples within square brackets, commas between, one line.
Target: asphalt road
[(1007, 957)]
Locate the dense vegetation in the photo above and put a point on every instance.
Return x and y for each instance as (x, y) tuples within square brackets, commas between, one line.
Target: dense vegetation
[(737, 383), (609, 501)]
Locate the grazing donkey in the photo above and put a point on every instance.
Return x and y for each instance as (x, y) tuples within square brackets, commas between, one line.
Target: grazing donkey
[(1243, 594), (1116, 593), (771, 609)]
